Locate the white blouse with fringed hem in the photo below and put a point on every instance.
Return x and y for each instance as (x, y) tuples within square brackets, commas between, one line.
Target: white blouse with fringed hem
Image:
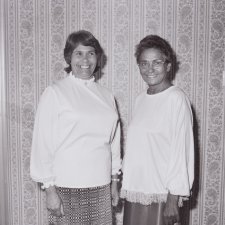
[(159, 156)]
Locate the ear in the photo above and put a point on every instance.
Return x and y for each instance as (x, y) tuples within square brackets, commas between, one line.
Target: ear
[(168, 67)]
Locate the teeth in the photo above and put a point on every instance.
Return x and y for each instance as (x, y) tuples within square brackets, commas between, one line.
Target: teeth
[(84, 67), (151, 76)]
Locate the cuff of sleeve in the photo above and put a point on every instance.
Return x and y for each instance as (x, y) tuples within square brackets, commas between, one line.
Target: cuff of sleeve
[(118, 172), (47, 185), (181, 200)]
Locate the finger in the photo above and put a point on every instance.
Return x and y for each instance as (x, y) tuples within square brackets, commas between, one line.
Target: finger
[(115, 201), (57, 213), (172, 221), (169, 220), (175, 220), (166, 222), (62, 210)]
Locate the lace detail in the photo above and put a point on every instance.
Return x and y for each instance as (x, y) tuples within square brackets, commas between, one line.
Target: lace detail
[(46, 182), (148, 199), (145, 199), (47, 185)]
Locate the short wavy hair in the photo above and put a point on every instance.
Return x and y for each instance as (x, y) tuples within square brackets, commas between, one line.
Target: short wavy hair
[(156, 42), (82, 37)]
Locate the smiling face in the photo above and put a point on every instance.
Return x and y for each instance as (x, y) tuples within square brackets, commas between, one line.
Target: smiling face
[(83, 62), (154, 68)]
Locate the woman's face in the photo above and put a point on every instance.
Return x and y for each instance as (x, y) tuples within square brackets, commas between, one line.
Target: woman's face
[(83, 62), (153, 67)]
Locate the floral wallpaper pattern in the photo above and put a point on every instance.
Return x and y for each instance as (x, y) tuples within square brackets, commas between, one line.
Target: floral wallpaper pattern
[(35, 33)]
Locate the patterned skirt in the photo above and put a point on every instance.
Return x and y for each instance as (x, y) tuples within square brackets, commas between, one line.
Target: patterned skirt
[(85, 206)]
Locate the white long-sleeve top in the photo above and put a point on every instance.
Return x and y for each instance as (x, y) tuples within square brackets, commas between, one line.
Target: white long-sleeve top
[(76, 136), (159, 156)]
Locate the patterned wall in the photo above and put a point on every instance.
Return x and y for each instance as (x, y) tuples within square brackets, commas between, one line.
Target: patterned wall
[(35, 32)]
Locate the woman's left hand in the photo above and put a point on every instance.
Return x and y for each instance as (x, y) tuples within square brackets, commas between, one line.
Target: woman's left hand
[(171, 211), (115, 193)]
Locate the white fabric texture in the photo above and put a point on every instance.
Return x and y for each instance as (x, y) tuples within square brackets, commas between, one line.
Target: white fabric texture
[(76, 137), (159, 156)]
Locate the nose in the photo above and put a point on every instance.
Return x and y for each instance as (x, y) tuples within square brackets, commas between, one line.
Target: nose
[(150, 67), (85, 57)]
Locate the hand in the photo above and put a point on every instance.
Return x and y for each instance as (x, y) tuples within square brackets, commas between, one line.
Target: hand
[(115, 193), (171, 211), (54, 202)]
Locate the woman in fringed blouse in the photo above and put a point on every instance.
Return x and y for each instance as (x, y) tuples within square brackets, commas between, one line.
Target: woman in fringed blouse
[(158, 167)]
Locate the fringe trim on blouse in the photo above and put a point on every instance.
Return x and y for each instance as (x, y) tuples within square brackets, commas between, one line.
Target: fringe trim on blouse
[(147, 199), (144, 199)]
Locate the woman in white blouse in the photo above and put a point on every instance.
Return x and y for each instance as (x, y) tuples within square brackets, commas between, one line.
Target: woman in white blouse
[(76, 140), (158, 167)]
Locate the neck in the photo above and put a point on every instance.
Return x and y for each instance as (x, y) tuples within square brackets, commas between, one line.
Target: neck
[(154, 90), (83, 78)]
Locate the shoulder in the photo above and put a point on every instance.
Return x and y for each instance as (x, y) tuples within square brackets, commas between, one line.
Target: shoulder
[(177, 95), (55, 89), (60, 84), (60, 87), (179, 102)]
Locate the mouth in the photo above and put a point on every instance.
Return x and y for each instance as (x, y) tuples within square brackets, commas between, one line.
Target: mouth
[(151, 76), (84, 66)]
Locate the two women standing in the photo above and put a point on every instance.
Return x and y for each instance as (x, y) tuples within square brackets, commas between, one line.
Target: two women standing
[(76, 141)]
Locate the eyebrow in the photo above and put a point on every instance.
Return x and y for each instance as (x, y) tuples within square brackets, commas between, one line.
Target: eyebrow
[(150, 61), (84, 50)]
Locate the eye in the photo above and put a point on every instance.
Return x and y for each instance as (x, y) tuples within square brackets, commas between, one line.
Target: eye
[(157, 62), (143, 64), (92, 53), (77, 53)]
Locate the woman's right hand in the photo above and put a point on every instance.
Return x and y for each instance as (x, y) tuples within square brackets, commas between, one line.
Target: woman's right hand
[(171, 211), (54, 202)]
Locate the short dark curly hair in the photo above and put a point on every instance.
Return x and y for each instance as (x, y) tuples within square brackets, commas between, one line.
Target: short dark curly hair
[(156, 42), (82, 37)]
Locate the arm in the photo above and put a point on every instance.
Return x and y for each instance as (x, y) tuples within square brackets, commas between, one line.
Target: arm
[(116, 166), (180, 171), (43, 146), (115, 149), (181, 165), (116, 163), (44, 139)]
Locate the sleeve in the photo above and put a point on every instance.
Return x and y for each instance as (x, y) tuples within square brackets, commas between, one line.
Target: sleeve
[(116, 147), (44, 139), (181, 165)]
